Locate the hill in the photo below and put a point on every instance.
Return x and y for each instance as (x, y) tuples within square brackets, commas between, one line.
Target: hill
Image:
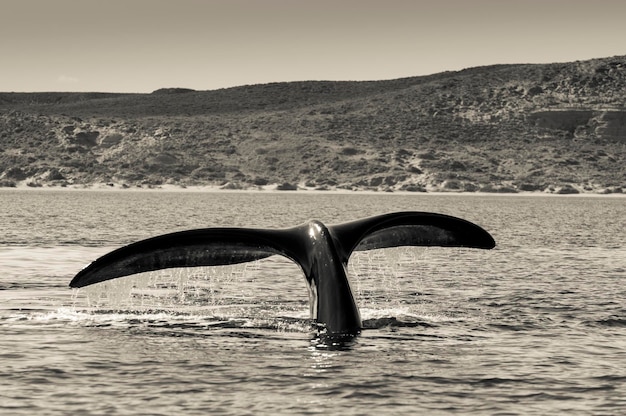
[(506, 128)]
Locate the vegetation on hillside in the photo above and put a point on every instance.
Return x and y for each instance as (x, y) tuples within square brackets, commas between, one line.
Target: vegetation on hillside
[(554, 128)]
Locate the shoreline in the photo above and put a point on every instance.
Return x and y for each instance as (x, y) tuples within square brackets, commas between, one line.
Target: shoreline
[(272, 189)]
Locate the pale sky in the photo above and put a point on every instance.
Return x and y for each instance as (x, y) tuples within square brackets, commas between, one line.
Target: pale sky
[(143, 45)]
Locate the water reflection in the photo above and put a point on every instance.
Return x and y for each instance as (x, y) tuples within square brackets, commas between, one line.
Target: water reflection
[(333, 342), (321, 361)]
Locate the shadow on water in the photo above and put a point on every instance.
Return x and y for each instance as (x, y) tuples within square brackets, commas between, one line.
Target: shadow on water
[(346, 342), (393, 322)]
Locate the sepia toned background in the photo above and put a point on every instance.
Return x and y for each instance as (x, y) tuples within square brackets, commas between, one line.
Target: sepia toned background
[(143, 45)]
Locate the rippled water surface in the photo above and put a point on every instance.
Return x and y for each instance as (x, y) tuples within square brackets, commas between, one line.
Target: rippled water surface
[(535, 326)]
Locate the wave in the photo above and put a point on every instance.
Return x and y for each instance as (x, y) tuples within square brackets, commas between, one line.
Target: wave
[(612, 321)]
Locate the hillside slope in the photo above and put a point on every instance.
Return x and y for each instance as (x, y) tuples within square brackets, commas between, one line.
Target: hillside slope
[(505, 128)]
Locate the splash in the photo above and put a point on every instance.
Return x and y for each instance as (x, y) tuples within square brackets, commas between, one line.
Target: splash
[(173, 288), (382, 278), (269, 293)]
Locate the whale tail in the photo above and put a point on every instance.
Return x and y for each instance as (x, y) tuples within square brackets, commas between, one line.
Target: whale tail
[(409, 229), (322, 253), (222, 246)]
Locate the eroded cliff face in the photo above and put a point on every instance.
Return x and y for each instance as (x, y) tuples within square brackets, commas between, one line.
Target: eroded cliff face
[(607, 124), (612, 125)]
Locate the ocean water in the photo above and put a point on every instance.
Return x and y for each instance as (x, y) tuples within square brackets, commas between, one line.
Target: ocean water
[(535, 326)]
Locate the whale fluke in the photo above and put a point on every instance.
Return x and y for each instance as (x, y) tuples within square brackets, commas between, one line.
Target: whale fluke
[(322, 252), (410, 229)]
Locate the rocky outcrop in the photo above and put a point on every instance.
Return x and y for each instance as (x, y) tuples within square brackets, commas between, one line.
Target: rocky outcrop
[(111, 139), (561, 119), (612, 125), (605, 124)]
